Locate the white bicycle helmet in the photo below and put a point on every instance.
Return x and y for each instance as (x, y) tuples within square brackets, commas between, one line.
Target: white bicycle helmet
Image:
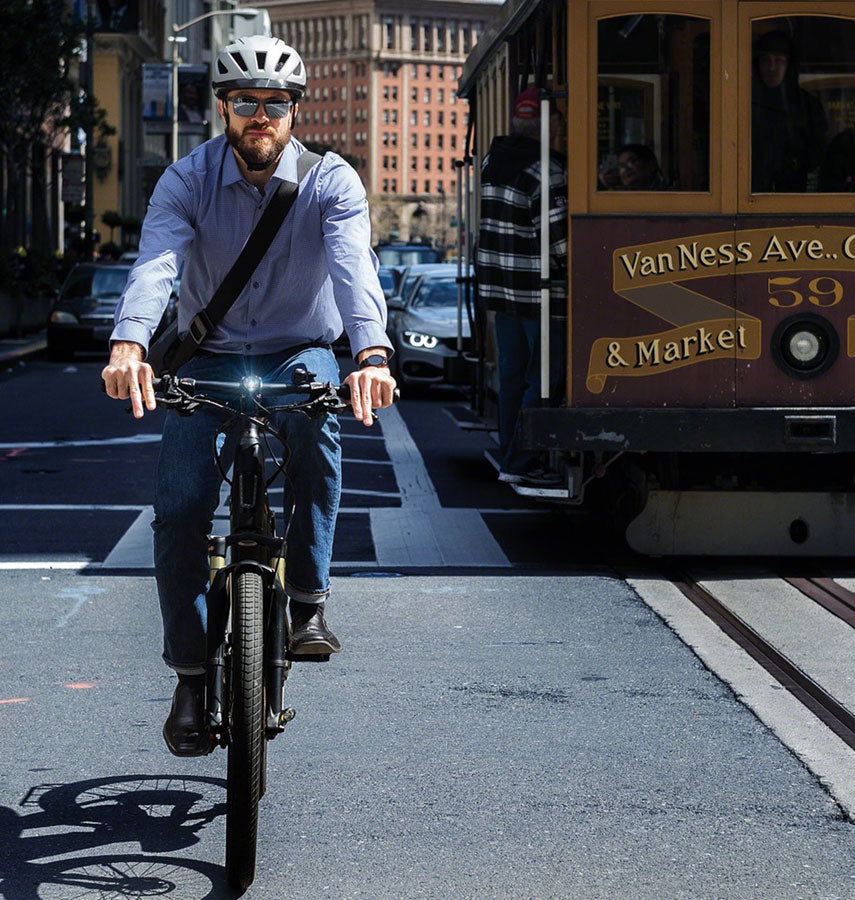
[(259, 62)]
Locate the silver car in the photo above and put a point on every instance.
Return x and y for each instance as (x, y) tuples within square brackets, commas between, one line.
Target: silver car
[(423, 325)]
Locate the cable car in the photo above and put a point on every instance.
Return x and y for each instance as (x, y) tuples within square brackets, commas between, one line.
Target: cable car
[(710, 295)]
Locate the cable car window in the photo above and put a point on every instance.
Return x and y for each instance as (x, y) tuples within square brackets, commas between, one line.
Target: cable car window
[(653, 103), (803, 105)]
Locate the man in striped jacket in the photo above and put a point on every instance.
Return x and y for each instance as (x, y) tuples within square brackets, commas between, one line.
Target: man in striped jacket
[(508, 268)]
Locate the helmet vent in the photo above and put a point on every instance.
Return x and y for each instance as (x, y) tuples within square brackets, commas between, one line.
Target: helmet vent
[(281, 64), (221, 67), (298, 72), (239, 60), (261, 60)]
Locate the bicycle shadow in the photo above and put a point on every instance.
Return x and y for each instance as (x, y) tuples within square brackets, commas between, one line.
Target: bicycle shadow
[(162, 814)]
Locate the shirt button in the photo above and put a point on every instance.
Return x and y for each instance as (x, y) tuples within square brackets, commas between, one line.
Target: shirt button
[(253, 323), (255, 285), (248, 346)]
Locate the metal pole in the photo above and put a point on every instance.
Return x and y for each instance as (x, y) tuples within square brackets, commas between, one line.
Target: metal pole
[(459, 166), (175, 40), (544, 250), (90, 136)]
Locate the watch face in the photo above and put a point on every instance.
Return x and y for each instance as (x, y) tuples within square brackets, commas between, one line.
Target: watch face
[(375, 359)]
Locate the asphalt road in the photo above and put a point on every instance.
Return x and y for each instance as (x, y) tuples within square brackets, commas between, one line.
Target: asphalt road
[(521, 726)]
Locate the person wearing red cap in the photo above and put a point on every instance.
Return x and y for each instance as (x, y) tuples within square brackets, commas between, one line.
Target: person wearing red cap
[(508, 269)]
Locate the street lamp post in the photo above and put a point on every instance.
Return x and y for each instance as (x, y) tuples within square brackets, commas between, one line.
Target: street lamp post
[(176, 29)]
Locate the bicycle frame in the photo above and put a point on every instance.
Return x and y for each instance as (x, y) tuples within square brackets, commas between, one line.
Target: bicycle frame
[(254, 545)]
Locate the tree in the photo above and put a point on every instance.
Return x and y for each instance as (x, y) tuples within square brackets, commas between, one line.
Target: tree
[(38, 66)]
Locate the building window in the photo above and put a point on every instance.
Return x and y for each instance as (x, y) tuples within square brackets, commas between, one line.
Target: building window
[(385, 162), (414, 187), (453, 38), (394, 116), (440, 95), (427, 117), (439, 164), (454, 119), (466, 46), (385, 116), (394, 162), (427, 95), (439, 141), (326, 117), (426, 36), (440, 38), (439, 188), (394, 137), (334, 117), (440, 116), (427, 186), (394, 185), (427, 140), (414, 140), (385, 91), (440, 73), (427, 71), (414, 34), (335, 70), (385, 138), (385, 185), (427, 164), (414, 163), (390, 33), (394, 92), (414, 95), (326, 71), (415, 71), (413, 119)]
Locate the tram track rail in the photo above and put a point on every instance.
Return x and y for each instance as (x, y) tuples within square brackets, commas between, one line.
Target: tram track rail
[(824, 591)]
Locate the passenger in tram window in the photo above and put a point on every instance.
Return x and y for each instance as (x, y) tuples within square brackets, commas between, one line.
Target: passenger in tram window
[(508, 269), (635, 168), (788, 124), (837, 174)]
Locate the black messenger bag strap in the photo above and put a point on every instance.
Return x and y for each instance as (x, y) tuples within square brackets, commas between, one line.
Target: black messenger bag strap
[(204, 322)]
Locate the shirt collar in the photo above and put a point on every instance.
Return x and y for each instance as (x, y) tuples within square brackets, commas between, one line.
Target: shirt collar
[(286, 170)]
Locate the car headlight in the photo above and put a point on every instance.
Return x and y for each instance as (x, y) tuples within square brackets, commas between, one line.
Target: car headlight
[(61, 317), (423, 341)]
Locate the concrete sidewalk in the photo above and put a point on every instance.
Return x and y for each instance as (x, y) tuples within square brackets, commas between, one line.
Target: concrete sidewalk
[(13, 349)]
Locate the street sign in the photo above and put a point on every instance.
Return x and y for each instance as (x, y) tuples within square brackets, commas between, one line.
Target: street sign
[(73, 185)]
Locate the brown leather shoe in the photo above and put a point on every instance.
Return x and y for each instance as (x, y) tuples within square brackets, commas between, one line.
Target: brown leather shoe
[(310, 635), (185, 731)]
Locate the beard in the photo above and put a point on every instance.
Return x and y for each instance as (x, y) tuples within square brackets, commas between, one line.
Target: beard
[(258, 153)]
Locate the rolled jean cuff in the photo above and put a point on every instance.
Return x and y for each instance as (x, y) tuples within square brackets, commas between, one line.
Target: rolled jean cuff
[(186, 670), (302, 596)]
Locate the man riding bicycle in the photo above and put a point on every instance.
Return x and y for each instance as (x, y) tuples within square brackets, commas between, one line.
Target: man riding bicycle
[(318, 275)]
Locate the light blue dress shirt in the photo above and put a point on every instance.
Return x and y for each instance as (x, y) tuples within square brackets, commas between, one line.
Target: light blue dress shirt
[(318, 275)]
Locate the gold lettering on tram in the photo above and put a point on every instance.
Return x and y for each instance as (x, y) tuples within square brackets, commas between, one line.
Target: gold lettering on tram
[(650, 276)]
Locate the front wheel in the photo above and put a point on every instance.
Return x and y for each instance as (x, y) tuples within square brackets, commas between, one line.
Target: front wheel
[(246, 728)]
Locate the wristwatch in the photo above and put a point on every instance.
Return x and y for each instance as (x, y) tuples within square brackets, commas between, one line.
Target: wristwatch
[(374, 359)]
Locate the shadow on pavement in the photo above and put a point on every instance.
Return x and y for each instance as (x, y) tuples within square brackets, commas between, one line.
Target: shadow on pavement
[(163, 814)]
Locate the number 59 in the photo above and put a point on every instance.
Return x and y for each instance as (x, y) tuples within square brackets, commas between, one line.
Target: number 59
[(822, 287)]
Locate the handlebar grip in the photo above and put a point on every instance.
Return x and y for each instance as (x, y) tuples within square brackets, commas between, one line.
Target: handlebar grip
[(343, 390)]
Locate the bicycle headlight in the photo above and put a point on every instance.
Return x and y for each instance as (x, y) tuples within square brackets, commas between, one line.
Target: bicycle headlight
[(422, 341), (251, 384)]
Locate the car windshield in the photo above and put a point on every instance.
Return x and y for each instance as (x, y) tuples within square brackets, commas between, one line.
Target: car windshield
[(406, 256), (436, 293), (97, 282), (387, 281)]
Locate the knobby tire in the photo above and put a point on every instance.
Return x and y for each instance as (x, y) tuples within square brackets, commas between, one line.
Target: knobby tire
[(246, 744)]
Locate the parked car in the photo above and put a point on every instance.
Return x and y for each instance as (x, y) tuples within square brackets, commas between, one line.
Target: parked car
[(423, 326), (82, 317), (407, 254)]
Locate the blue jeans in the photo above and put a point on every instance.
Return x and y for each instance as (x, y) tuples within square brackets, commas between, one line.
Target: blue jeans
[(518, 345), (188, 493)]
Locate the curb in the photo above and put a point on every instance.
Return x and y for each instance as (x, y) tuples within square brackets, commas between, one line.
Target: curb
[(11, 351)]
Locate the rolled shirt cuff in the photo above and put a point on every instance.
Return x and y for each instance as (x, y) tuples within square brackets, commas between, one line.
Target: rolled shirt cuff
[(368, 334), (132, 331)]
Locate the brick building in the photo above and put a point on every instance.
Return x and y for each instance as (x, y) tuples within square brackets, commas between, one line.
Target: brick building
[(382, 91)]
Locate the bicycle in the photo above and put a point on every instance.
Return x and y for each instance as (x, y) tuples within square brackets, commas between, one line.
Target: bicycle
[(248, 634)]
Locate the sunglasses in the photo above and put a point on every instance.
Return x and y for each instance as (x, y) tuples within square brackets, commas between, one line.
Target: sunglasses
[(245, 107)]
